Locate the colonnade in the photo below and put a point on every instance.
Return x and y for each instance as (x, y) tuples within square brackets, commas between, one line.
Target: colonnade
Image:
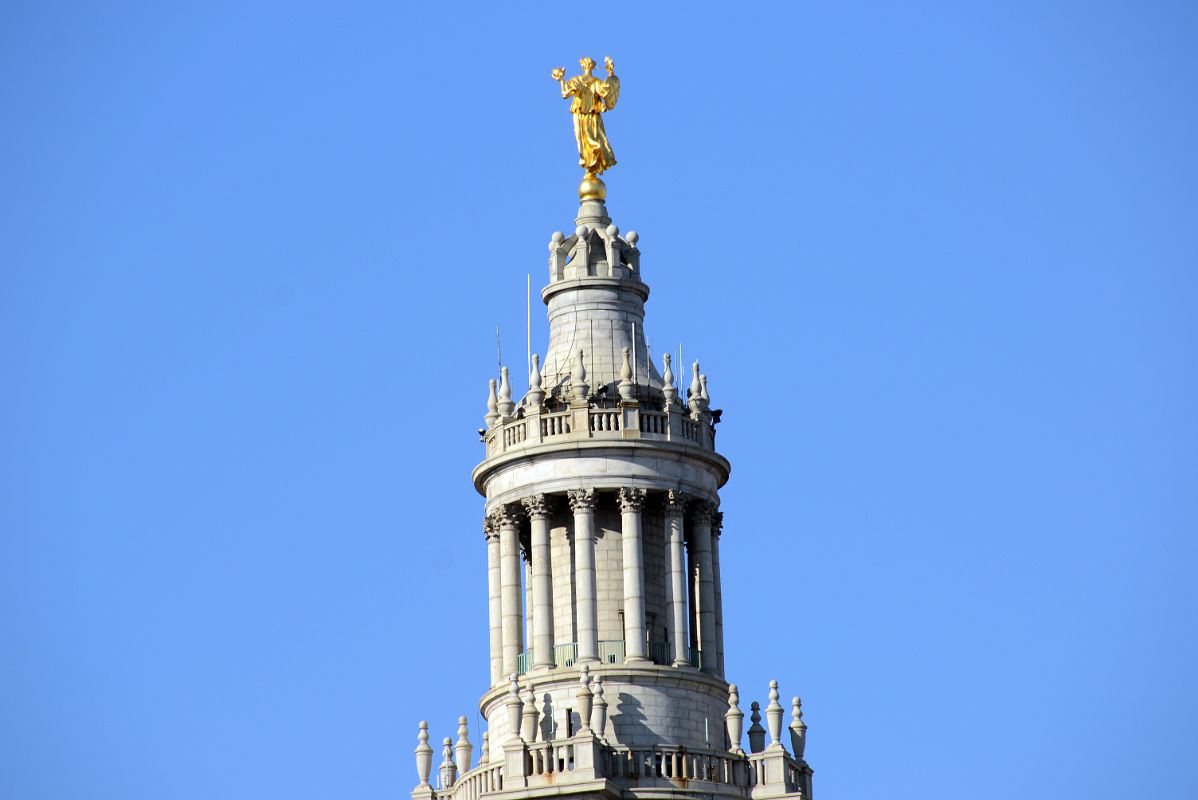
[(694, 615)]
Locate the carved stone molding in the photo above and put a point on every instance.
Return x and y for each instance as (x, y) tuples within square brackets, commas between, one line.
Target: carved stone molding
[(581, 500), (538, 506), (631, 499)]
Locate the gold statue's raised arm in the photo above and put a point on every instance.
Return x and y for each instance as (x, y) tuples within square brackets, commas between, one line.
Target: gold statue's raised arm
[(589, 98)]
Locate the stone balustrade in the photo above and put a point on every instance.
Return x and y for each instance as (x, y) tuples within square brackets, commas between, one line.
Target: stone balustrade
[(529, 762), (584, 759), (626, 421)]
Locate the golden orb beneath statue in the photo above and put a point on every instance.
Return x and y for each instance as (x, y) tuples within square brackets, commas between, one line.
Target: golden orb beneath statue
[(592, 188)]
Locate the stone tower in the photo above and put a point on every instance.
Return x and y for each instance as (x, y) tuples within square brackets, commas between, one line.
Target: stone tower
[(603, 569)]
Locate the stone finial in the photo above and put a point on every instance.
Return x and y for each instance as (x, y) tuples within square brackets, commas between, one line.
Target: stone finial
[(506, 406), (734, 720), (449, 770), (528, 727), (694, 395), (703, 395), (756, 732), (611, 246), (492, 406), (625, 385), (536, 395), (578, 378), (632, 238), (485, 756), (598, 709), (585, 699), (515, 707), (773, 716), (463, 751), (556, 242), (424, 755), (798, 729), (667, 378)]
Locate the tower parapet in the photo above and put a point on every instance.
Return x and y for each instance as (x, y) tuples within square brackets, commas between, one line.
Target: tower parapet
[(602, 525)]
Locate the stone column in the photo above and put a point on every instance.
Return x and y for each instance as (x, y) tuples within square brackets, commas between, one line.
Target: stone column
[(494, 598), (692, 591), (717, 527), (701, 535), (529, 609), (509, 589), (542, 581), (632, 501), (582, 503), (675, 507)]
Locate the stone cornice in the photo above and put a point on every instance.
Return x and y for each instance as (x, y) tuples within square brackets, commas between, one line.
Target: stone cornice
[(712, 461)]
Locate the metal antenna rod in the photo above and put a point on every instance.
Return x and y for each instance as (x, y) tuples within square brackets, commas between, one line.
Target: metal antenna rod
[(528, 326)]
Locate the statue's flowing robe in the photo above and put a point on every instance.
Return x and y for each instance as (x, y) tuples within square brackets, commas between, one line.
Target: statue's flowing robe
[(592, 97)]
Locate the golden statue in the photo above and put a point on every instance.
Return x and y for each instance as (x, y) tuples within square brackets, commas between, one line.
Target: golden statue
[(591, 97)]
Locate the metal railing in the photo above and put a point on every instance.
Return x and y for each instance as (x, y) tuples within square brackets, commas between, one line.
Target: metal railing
[(564, 655), (659, 653), (611, 651)]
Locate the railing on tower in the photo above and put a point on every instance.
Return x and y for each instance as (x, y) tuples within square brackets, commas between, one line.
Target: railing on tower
[(611, 651), (625, 421)]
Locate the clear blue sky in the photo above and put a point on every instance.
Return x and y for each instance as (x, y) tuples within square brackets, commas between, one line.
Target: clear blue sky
[(939, 262)]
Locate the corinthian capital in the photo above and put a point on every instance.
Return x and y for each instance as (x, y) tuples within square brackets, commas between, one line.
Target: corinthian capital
[(537, 506), (631, 499), (703, 512), (717, 522), (581, 500), (491, 528), (674, 503), (506, 516)]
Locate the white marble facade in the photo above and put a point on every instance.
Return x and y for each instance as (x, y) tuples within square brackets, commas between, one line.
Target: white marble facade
[(603, 532)]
